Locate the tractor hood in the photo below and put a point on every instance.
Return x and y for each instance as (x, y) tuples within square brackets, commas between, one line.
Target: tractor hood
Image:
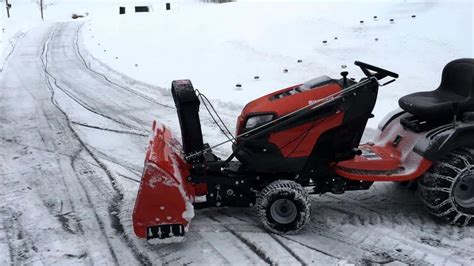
[(287, 100)]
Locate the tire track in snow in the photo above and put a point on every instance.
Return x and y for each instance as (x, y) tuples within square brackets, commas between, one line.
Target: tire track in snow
[(122, 163), (354, 216), (260, 253), (292, 253), (385, 214), (96, 215), (114, 206), (88, 108), (44, 59), (109, 129), (329, 232), (11, 232), (326, 231), (62, 217), (18, 37), (283, 245), (23, 151), (130, 178), (70, 90), (76, 99), (19, 243), (256, 224), (6, 231), (143, 96)]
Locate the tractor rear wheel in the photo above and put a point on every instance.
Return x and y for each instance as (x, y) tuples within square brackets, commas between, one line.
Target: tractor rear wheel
[(447, 189), (283, 207)]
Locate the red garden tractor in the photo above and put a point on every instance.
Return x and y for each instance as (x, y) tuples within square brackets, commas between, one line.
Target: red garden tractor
[(304, 140)]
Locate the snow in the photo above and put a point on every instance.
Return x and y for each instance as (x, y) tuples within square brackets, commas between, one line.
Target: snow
[(73, 130), (218, 46), (169, 240)]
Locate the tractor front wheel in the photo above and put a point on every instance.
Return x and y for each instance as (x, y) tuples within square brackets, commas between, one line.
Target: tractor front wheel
[(447, 189), (283, 207)]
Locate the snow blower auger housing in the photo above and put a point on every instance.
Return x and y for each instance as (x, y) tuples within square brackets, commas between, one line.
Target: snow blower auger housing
[(305, 139)]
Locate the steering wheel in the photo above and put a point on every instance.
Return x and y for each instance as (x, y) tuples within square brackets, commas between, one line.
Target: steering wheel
[(373, 71)]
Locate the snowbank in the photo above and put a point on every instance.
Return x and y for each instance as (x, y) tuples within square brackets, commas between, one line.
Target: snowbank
[(23, 16), (220, 45), (12, 29)]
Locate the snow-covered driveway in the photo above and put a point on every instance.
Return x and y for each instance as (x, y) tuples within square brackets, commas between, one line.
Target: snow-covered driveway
[(72, 138)]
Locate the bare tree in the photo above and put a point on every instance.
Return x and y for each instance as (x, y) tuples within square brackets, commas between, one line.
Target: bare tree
[(8, 6), (42, 6)]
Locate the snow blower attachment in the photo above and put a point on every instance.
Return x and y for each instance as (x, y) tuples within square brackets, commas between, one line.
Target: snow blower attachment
[(304, 140), (163, 208)]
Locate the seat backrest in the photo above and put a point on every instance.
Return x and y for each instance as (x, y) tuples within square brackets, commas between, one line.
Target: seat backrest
[(458, 76)]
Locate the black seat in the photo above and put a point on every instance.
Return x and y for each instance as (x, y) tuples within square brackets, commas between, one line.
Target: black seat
[(455, 94)]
